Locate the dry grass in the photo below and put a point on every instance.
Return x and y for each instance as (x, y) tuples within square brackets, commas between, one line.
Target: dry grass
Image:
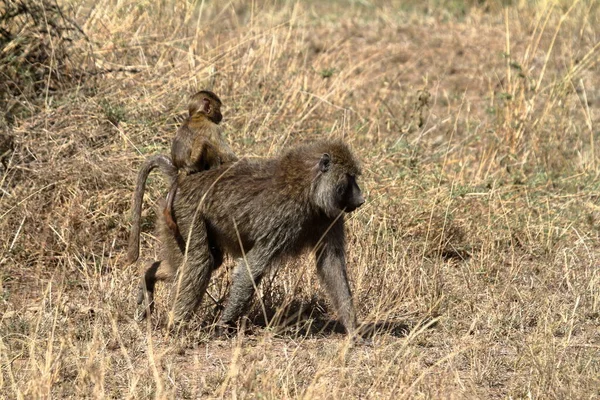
[(475, 260)]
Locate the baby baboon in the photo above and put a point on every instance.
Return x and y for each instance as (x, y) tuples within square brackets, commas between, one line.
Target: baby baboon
[(168, 169), (199, 143), (264, 211)]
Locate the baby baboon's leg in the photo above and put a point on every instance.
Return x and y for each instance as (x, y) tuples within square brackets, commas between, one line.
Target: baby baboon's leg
[(168, 209)]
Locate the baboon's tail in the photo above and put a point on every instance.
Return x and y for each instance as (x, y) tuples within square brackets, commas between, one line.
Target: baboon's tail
[(168, 169)]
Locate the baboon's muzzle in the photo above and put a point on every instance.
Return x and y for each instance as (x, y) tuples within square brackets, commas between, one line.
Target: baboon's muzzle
[(356, 201)]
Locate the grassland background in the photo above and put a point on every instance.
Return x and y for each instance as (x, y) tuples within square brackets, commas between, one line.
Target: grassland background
[(474, 262)]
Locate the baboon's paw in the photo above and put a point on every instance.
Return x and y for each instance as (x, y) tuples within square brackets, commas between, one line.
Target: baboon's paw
[(145, 304), (224, 331)]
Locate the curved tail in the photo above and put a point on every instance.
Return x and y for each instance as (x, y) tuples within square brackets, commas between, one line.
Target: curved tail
[(168, 169)]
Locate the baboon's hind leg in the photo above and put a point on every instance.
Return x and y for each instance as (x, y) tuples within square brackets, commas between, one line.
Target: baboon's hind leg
[(193, 274), (158, 271), (246, 277)]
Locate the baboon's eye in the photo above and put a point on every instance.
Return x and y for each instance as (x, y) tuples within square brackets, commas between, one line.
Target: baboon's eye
[(342, 187)]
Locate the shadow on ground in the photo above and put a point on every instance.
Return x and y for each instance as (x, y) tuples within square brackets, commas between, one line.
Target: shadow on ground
[(295, 319), (302, 319)]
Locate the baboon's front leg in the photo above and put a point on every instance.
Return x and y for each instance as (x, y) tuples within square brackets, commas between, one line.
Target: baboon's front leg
[(331, 268)]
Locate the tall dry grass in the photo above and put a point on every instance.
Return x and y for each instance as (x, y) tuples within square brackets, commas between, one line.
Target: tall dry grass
[(474, 263)]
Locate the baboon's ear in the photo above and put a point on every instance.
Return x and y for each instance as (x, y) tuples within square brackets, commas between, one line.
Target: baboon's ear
[(206, 105), (325, 162)]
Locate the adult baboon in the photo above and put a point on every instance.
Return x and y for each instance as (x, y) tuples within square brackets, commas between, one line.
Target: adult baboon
[(262, 211)]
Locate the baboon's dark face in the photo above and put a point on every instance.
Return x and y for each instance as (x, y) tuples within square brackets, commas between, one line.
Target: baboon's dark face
[(349, 194), (212, 109), (337, 189), (216, 116)]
